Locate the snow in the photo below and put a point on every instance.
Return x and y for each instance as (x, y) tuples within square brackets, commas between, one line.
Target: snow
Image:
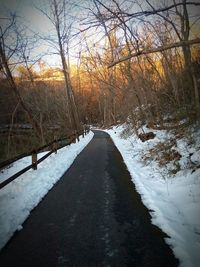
[(173, 199), (195, 158), (18, 198)]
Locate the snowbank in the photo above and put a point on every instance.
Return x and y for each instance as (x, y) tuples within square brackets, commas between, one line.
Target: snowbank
[(174, 199), (19, 197)]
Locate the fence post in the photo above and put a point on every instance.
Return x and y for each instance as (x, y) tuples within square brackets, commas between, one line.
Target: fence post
[(55, 147), (55, 144), (83, 131), (34, 160), (77, 136)]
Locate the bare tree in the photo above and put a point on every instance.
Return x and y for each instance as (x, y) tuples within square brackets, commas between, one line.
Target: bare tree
[(62, 25)]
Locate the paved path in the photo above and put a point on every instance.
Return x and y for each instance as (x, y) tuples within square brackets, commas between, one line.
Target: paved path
[(92, 217)]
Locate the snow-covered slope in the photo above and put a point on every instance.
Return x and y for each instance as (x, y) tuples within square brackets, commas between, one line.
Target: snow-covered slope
[(174, 198), (19, 197)]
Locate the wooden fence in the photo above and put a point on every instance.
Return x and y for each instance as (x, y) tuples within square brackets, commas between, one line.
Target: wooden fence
[(52, 146)]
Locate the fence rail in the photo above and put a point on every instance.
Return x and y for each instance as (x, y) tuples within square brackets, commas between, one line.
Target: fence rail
[(53, 145)]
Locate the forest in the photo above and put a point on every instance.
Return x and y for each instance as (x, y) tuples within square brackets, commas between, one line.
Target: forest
[(99, 63)]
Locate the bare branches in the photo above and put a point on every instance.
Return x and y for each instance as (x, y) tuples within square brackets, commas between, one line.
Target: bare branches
[(147, 13), (155, 50)]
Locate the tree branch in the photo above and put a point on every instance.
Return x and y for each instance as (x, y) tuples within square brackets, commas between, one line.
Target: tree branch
[(156, 11), (155, 50)]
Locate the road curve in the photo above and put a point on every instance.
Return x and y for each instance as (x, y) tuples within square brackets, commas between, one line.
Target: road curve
[(92, 217)]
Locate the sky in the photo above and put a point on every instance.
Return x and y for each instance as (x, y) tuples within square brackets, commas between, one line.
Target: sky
[(31, 17), (37, 22), (27, 11)]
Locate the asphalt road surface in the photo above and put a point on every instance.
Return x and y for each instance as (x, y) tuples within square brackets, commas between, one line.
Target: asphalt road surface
[(92, 217)]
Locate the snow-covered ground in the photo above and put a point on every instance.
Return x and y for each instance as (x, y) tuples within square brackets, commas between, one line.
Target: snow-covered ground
[(171, 190), (19, 197)]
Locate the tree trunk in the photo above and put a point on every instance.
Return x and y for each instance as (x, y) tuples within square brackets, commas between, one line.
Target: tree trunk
[(71, 101)]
